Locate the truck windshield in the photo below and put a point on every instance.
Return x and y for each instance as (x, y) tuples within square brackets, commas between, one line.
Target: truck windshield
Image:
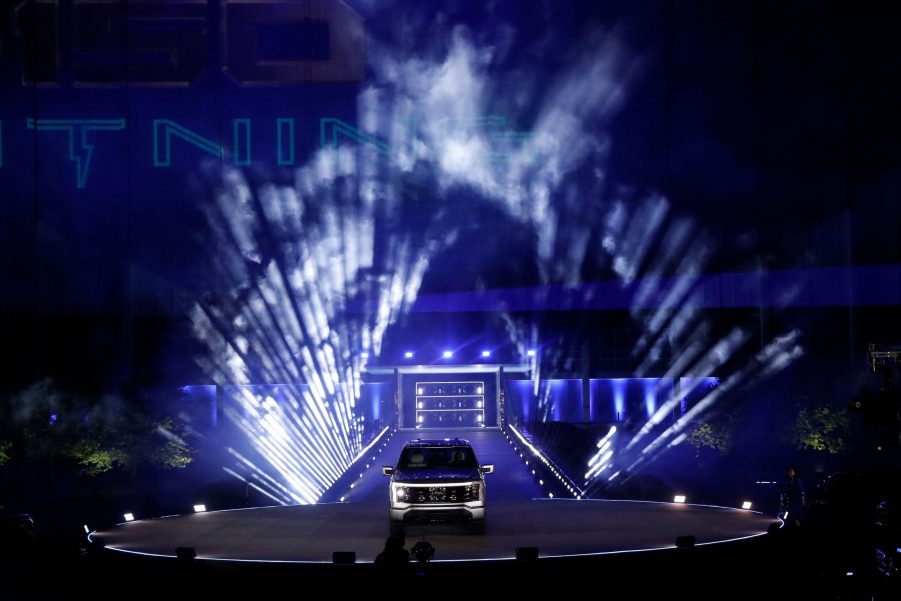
[(432, 457)]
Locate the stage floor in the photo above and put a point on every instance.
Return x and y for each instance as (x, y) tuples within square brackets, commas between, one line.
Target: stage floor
[(558, 527), (519, 515)]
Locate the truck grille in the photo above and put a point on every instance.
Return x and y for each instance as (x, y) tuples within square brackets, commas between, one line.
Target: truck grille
[(438, 494)]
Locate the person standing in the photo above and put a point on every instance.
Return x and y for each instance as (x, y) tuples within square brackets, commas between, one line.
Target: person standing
[(793, 499)]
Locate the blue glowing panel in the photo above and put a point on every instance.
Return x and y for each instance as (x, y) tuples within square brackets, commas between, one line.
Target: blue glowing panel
[(636, 397), (198, 406), (606, 399), (559, 401), (619, 399), (518, 400), (655, 392)]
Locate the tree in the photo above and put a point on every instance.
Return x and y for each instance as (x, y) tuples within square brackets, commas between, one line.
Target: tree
[(98, 434), (5, 448), (715, 434), (821, 429)]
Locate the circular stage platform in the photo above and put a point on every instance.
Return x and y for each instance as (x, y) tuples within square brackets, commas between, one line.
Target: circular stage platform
[(312, 533)]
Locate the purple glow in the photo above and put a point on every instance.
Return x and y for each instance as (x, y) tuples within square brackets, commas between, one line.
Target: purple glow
[(619, 398), (650, 396)]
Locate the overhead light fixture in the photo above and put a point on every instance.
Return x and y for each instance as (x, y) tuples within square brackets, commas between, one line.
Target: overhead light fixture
[(486, 353), (447, 354), (408, 355)]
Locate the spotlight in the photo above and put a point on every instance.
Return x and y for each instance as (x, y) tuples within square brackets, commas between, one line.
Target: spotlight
[(86, 529), (679, 499), (408, 355), (746, 505), (200, 508), (530, 352), (486, 353), (479, 391), (419, 391), (364, 355), (447, 354), (129, 517)]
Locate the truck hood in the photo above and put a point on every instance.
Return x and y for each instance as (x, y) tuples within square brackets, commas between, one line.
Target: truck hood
[(424, 476)]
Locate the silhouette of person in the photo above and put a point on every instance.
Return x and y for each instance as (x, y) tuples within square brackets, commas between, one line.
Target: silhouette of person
[(793, 499), (393, 563)]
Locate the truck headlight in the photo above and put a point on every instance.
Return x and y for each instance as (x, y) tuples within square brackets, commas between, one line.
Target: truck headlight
[(471, 491), (401, 493)]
